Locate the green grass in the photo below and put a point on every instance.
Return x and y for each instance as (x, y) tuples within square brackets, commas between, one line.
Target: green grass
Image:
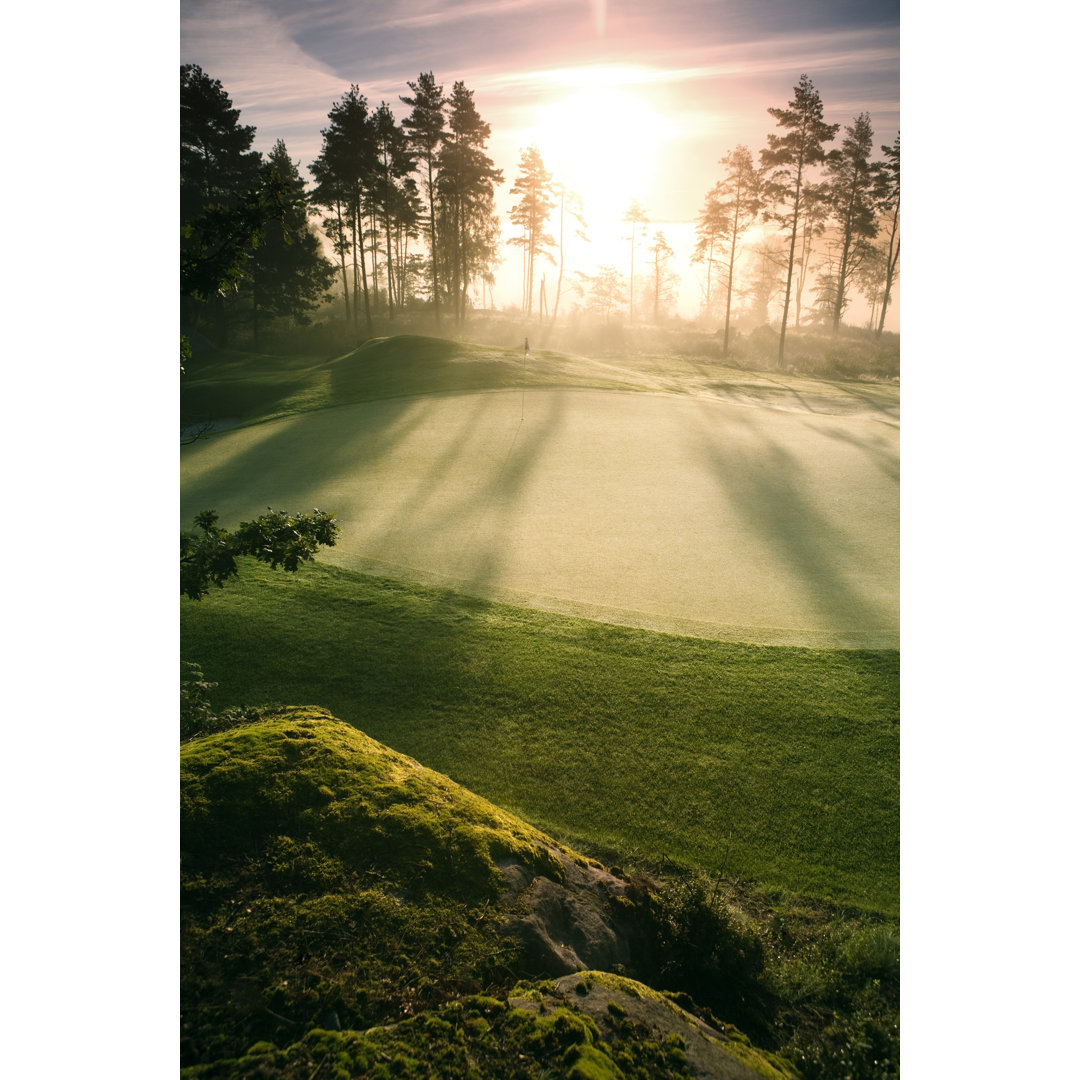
[(253, 387), (250, 387), (777, 765)]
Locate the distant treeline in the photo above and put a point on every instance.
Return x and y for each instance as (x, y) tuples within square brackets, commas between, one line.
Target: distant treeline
[(407, 212)]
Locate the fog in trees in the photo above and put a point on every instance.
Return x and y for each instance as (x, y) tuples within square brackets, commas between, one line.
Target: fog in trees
[(406, 221)]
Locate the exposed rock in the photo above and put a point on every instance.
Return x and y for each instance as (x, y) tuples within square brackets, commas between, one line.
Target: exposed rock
[(567, 926)]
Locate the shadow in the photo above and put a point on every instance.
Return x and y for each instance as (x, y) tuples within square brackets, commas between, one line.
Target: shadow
[(875, 447), (771, 491), (891, 411)]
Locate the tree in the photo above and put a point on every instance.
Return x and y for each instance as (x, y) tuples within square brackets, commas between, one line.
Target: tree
[(344, 172), (711, 226), (767, 263), (279, 539), (426, 126), (289, 274), (888, 189), (217, 165), (787, 163), (814, 219), (467, 179), (394, 163), (664, 280), (568, 201), (634, 216), (851, 182), (735, 204), (531, 212), (607, 291), (222, 210)]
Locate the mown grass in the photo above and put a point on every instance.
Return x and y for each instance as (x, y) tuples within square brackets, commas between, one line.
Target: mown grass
[(248, 387), (251, 387), (778, 765)]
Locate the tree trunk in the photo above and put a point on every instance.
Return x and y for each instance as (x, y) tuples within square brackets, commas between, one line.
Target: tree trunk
[(890, 268), (790, 265), (558, 285)]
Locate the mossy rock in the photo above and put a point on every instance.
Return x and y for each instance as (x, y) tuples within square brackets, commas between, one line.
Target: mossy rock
[(346, 911), (330, 788)]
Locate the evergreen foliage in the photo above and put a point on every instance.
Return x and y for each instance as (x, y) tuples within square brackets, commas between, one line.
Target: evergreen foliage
[(788, 164)]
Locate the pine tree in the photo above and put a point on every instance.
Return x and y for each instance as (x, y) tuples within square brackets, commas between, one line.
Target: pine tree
[(426, 127), (222, 209), (467, 179), (664, 280), (788, 162), (735, 204), (851, 182), (394, 163), (888, 190), (635, 216), (712, 224), (347, 166), (289, 274), (531, 212)]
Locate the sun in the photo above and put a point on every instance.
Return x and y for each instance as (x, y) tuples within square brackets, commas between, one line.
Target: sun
[(604, 140)]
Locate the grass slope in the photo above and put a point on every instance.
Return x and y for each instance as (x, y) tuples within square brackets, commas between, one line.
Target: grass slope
[(341, 906), (775, 764), (252, 387)]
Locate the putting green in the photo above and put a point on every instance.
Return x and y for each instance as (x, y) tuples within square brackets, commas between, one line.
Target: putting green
[(671, 512)]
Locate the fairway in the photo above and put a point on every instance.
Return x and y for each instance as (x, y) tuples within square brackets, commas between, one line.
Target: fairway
[(663, 511)]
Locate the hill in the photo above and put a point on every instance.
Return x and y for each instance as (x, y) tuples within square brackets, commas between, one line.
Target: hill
[(343, 905)]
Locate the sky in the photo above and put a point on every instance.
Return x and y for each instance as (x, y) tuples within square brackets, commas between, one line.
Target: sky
[(625, 99)]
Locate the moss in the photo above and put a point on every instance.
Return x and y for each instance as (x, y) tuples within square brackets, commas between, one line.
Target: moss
[(591, 1063), (770, 1066), (306, 775)]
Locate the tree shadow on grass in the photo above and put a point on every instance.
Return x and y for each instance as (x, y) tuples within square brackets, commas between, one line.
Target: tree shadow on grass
[(770, 488)]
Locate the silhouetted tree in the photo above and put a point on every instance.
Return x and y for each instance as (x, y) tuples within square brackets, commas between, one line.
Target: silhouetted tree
[(467, 179), (217, 165), (345, 171), (851, 181), (222, 211), (393, 164), (330, 196), (289, 274), (635, 216), (531, 212), (737, 203), (888, 191), (787, 163), (426, 127)]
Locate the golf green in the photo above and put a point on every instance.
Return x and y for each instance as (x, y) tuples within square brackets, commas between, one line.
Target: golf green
[(665, 511)]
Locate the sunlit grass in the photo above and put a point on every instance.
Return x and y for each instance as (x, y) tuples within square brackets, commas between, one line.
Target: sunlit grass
[(778, 765)]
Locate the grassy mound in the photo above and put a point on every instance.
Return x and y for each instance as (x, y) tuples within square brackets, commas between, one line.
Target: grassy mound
[(342, 904)]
